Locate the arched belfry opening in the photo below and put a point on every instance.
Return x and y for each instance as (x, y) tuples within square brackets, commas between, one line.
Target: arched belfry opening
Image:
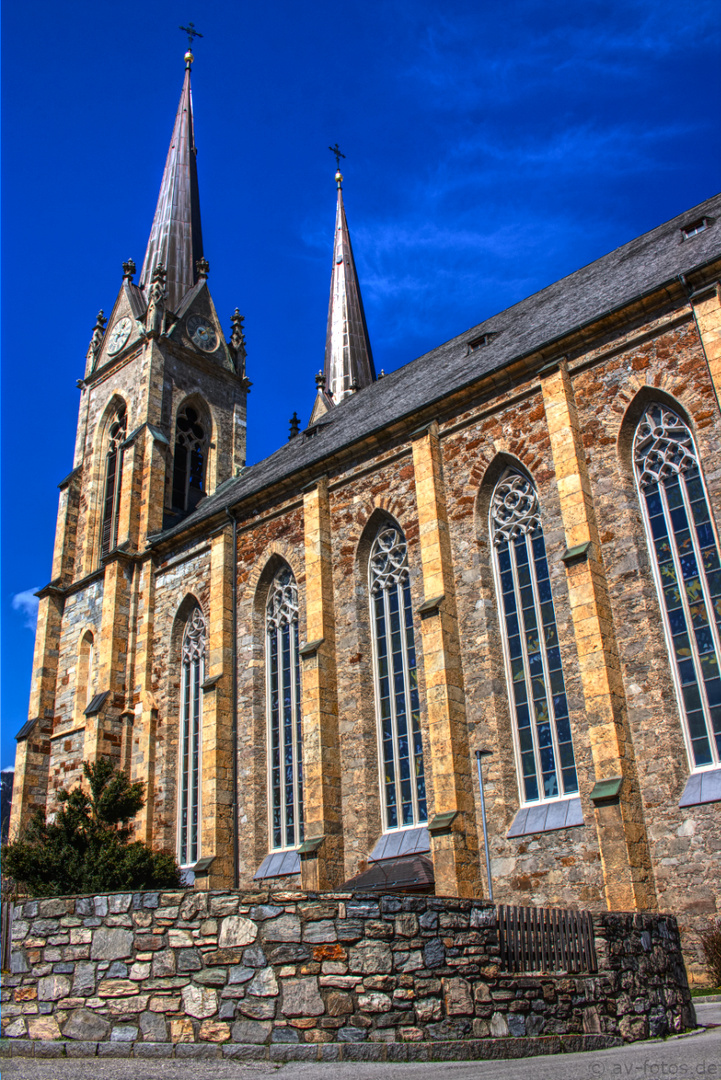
[(190, 458)]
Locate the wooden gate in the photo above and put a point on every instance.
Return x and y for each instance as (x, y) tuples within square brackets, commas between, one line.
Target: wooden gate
[(6, 929), (546, 939)]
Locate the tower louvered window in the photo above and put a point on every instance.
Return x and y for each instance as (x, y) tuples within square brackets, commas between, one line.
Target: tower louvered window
[(113, 480), (531, 648), (685, 556), (191, 715), (285, 738), (403, 785), (191, 443)]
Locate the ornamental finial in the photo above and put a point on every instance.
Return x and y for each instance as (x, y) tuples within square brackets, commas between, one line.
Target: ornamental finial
[(192, 33), (338, 155)]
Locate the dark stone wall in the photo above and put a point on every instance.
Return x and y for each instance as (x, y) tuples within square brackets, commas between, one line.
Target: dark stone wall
[(270, 968)]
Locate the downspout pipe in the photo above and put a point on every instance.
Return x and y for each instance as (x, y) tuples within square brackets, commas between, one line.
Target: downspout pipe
[(234, 699)]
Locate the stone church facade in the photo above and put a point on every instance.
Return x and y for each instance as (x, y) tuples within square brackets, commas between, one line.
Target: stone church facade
[(508, 545)]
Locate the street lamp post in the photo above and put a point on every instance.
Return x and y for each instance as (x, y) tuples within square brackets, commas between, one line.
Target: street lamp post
[(479, 755)]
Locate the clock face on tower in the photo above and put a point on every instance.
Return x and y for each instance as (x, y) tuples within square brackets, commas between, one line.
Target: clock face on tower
[(201, 333), (119, 335)]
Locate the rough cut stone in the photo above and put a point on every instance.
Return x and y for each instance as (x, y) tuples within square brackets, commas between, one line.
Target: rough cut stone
[(254, 957), (250, 1031), (240, 974), (124, 1033), (428, 1009), (458, 999), (113, 944), (199, 1001), (264, 983), (188, 960), (153, 1027), (286, 928), (339, 1004), (410, 961), (236, 931), (434, 953), (301, 997), (316, 933), (258, 1008), (370, 958), (214, 1031), (53, 987), (43, 1027), (374, 1002), (265, 911), (499, 1026), (163, 963)]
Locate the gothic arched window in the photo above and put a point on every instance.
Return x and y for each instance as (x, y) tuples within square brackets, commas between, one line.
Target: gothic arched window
[(530, 637), (113, 479), (403, 785), (685, 556), (285, 738), (191, 715), (191, 443)]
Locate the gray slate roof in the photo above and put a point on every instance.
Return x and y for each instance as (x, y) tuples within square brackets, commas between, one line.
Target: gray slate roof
[(610, 283)]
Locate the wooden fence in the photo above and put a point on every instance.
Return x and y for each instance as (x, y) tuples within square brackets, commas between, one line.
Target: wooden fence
[(6, 930), (546, 939)]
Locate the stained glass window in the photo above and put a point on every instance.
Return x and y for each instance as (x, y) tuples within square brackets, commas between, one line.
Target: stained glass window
[(191, 713), (113, 480), (685, 556), (398, 710), (191, 444), (532, 653), (284, 714)]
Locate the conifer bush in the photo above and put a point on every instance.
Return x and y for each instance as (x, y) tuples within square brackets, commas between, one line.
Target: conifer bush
[(87, 847)]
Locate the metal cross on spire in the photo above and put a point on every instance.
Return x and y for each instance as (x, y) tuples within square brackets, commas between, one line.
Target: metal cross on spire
[(191, 32), (334, 150)]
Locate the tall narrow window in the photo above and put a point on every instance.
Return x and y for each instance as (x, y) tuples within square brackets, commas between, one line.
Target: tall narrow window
[(403, 785), (284, 718), (113, 480), (85, 680), (191, 714), (191, 442), (685, 557), (532, 653)]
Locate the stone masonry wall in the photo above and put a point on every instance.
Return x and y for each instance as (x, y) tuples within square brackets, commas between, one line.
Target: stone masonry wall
[(303, 969)]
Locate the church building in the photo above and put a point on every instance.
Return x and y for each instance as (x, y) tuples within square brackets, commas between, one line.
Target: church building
[(501, 561)]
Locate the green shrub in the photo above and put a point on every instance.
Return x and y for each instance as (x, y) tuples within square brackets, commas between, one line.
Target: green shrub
[(87, 847)]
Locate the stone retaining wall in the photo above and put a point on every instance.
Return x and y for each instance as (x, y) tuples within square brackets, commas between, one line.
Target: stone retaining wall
[(291, 968)]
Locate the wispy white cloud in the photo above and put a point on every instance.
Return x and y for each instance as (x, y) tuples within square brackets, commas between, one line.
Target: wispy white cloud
[(27, 604)]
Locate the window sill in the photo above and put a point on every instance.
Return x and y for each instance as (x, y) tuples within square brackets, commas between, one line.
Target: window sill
[(702, 787), (546, 817), (278, 864), (391, 845)]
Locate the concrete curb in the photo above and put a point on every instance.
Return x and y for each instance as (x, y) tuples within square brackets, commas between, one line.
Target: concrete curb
[(453, 1050)]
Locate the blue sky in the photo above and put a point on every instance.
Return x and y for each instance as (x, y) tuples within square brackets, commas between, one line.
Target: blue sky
[(491, 149)]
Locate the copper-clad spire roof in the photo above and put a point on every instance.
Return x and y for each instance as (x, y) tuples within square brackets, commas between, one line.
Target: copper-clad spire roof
[(176, 241), (348, 357)]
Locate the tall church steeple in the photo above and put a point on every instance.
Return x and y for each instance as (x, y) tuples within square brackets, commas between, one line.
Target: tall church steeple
[(348, 357), (176, 240)]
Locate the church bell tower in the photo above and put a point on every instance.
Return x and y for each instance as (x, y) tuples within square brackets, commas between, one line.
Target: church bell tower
[(162, 423)]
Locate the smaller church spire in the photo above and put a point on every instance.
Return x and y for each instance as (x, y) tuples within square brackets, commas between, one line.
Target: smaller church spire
[(348, 357), (176, 240)]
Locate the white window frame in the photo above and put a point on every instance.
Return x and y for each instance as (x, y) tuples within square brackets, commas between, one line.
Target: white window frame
[(296, 722), (195, 622), (715, 763), (562, 796), (401, 577)]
